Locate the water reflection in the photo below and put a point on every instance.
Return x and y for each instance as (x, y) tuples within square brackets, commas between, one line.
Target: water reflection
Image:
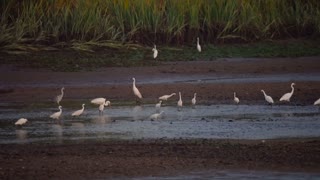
[(101, 119), (58, 132), (21, 134), (136, 113), (79, 127)]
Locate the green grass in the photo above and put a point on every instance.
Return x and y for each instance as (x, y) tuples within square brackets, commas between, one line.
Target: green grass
[(26, 24), (74, 60)]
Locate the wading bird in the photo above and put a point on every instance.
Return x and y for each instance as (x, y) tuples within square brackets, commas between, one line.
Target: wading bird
[(235, 99), (57, 115), (166, 97), (158, 105), (267, 98), (60, 96), (101, 107), (179, 102), (156, 116), (198, 45), (21, 122), (98, 101), (287, 96), (136, 91), (193, 101), (155, 52), (78, 112)]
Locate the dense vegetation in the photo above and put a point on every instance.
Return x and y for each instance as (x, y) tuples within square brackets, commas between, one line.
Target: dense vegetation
[(110, 23)]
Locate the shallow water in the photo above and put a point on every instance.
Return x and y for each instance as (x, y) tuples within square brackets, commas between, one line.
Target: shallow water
[(124, 122), (237, 174)]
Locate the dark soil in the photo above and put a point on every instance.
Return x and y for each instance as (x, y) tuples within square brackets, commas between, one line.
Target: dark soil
[(155, 157)]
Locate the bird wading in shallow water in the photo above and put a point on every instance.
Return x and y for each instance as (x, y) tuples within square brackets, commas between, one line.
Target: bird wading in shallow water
[(98, 101), (158, 105), (179, 102), (60, 96), (198, 45), (156, 116), (235, 99), (101, 107), (287, 96), (193, 101), (136, 91), (78, 112), (21, 122), (267, 98), (166, 97), (155, 52), (57, 115)]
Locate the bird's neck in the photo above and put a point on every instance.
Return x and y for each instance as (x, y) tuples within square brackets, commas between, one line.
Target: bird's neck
[(292, 89)]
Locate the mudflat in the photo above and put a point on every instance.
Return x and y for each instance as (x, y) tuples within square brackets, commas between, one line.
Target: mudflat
[(214, 82)]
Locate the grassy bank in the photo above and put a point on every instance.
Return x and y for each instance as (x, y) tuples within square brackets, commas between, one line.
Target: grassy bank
[(80, 24)]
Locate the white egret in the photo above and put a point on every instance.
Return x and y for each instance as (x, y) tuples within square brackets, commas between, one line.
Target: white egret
[(99, 101), (235, 99), (155, 52), (60, 96), (57, 115), (156, 116), (78, 112), (287, 96), (193, 101), (267, 98), (101, 107), (158, 105), (21, 121), (136, 91), (166, 97), (198, 45), (317, 102), (179, 102)]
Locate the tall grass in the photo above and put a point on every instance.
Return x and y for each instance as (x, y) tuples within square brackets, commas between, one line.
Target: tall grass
[(108, 22)]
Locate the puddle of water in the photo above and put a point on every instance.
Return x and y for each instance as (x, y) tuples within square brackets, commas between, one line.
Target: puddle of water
[(234, 174), (215, 122)]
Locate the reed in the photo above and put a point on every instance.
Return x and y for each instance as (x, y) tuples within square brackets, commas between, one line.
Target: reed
[(155, 21)]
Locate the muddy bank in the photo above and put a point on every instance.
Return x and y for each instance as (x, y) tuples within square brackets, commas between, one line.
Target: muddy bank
[(155, 157), (19, 84)]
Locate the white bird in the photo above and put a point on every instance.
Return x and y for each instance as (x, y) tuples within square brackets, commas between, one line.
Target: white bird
[(267, 98), (198, 45), (158, 105), (156, 116), (101, 107), (59, 97), (235, 99), (166, 97), (179, 102), (99, 101), (287, 96), (155, 52), (193, 101), (136, 91), (57, 115), (317, 102), (21, 121), (78, 112)]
